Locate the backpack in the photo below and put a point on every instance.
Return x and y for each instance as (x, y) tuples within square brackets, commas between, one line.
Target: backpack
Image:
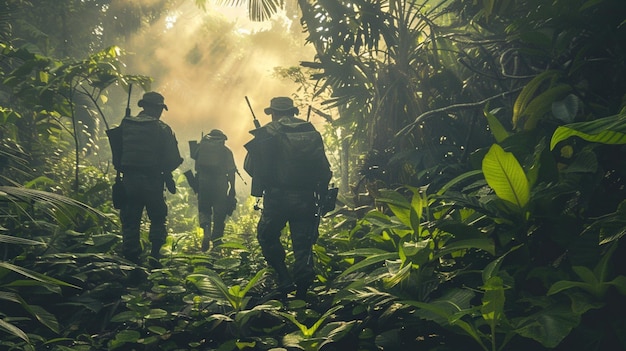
[(301, 162), (141, 144), (133, 145), (211, 156)]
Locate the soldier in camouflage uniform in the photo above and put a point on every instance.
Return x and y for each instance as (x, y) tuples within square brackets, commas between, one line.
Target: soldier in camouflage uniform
[(149, 153), (287, 198), (215, 167)]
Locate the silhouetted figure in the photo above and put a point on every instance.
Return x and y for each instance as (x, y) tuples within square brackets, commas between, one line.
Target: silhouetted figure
[(149, 153), (215, 167), (290, 171)]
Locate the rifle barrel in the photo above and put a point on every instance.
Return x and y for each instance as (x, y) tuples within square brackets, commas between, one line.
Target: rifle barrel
[(256, 121), (130, 89)]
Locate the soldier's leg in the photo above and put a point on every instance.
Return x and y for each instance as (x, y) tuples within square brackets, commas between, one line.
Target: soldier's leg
[(303, 227), (219, 222), (303, 237), (205, 223), (130, 216), (268, 234), (157, 213), (205, 210)]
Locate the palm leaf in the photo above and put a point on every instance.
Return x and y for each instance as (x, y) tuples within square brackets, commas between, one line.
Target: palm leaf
[(35, 275), (62, 208)]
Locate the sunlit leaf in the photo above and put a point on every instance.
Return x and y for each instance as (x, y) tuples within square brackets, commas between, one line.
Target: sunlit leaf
[(506, 177), (609, 130), (497, 129)]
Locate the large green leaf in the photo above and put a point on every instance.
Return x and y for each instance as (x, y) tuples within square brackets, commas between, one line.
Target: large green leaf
[(608, 130), (549, 326), (506, 177)]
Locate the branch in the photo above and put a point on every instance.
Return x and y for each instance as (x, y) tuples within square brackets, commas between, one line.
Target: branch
[(95, 102), (408, 128)]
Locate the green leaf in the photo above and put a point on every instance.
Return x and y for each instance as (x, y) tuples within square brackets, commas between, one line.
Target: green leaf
[(493, 267), (542, 104), (492, 308), (497, 129), (609, 130), (335, 331), (620, 283), (400, 206), (506, 177), (157, 330), (549, 326), (448, 310), (257, 277), (8, 239), (566, 109), (564, 285), (484, 244), (34, 275), (44, 317), (11, 329), (156, 313), (458, 179), (527, 94), (586, 275), (128, 336), (368, 261)]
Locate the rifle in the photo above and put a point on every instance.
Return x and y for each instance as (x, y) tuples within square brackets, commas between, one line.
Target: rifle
[(256, 121), (240, 177), (130, 89)]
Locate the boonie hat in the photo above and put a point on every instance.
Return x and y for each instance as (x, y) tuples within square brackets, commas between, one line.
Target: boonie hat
[(217, 134), (152, 98), (281, 104)]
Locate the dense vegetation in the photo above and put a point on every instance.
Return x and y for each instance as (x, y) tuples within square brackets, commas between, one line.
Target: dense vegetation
[(485, 208)]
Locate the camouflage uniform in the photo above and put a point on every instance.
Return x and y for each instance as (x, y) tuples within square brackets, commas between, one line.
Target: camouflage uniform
[(216, 185), (284, 203), (149, 155)]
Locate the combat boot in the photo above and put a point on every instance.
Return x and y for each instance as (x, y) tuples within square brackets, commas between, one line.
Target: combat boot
[(284, 281), (206, 238)]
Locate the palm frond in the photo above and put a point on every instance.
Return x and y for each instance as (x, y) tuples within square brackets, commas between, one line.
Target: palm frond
[(61, 208)]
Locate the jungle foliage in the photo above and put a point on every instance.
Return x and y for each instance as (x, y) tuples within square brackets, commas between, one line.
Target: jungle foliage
[(487, 206)]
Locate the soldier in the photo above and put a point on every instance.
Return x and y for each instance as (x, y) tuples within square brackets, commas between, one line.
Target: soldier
[(148, 154), (289, 169), (215, 167)]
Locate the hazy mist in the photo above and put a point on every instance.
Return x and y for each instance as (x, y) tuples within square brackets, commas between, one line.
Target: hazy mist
[(205, 63)]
